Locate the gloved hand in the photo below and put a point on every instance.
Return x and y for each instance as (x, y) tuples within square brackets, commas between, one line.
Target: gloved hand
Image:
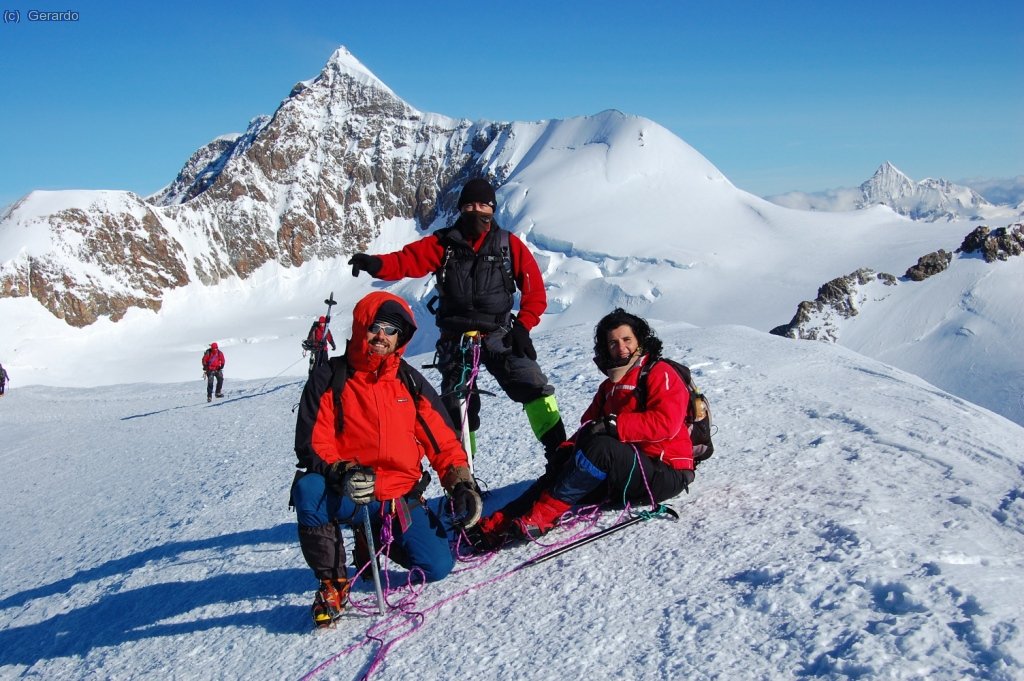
[(370, 264), (359, 483), (607, 425), (466, 505), (518, 338), (496, 342), (335, 476)]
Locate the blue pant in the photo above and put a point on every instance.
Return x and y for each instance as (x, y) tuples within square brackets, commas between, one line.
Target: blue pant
[(423, 544)]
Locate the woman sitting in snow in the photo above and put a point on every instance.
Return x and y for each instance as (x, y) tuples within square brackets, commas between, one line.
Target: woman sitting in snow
[(620, 452)]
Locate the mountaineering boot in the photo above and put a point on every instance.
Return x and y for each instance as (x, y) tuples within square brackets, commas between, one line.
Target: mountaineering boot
[(209, 398), (329, 601), (219, 395), (490, 533), (542, 516)]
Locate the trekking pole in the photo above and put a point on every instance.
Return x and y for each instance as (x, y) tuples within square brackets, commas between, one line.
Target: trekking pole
[(467, 440), (320, 351), (371, 549), (661, 511), (330, 302)]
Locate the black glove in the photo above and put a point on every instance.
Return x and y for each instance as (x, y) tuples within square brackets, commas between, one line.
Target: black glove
[(359, 483), (466, 505), (606, 425), (519, 340), (370, 264), (335, 476)]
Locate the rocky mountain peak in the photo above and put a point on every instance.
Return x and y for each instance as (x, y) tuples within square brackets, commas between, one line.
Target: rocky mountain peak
[(886, 184), (343, 64), (929, 199), (341, 156)]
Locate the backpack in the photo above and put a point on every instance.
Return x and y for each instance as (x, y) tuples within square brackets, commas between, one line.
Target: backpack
[(698, 411)]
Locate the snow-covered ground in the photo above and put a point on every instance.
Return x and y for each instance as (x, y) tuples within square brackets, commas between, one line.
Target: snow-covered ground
[(854, 522)]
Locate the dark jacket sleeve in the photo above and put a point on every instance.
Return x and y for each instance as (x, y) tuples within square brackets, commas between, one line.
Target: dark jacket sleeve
[(317, 386)]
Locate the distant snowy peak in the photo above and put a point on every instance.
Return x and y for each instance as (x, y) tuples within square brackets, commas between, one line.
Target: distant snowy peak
[(343, 64), (886, 184), (929, 199)]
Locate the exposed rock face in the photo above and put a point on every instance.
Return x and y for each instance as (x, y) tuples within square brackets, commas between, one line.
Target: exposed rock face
[(341, 155), (930, 264), (840, 298), (994, 244), (814, 319), (124, 258), (206, 164)]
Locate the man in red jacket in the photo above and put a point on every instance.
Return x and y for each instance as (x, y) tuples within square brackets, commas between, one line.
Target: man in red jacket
[(365, 422), (619, 452), (479, 266), (213, 368)]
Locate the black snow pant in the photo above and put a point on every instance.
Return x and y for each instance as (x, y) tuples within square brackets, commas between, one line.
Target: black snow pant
[(520, 377), (210, 375), (603, 470)]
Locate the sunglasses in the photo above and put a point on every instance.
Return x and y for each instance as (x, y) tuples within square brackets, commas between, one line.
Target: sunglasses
[(386, 328)]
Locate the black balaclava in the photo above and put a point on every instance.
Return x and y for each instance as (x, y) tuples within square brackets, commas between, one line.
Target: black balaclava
[(472, 223)]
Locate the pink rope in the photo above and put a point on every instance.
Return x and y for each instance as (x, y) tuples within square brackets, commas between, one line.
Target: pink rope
[(580, 522), (404, 615), (643, 476)]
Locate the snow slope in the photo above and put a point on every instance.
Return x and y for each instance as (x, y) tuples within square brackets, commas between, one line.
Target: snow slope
[(854, 522), (972, 346)]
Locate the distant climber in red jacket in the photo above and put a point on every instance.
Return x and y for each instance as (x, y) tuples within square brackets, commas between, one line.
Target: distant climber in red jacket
[(213, 368)]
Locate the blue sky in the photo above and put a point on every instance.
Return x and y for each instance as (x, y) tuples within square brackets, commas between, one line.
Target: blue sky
[(779, 96)]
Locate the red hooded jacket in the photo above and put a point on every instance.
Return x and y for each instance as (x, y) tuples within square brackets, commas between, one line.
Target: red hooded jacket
[(659, 431), (213, 359), (381, 428)]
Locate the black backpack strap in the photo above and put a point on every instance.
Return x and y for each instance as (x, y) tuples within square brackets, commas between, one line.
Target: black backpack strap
[(444, 239), (507, 273), (414, 381), (322, 378), (339, 374)]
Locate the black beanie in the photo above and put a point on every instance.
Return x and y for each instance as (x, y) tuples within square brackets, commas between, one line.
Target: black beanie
[(478, 190), (392, 313)]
